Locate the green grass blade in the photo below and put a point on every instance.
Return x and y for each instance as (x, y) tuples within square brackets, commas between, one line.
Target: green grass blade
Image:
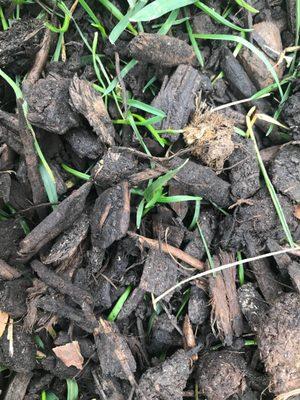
[(119, 304), (158, 8), (166, 26), (146, 107), (123, 23), (241, 269), (3, 20), (49, 185), (186, 297), (78, 174), (194, 41), (151, 129), (124, 72), (247, 44), (139, 213), (72, 389), (161, 181), (196, 214), (217, 17), (178, 199), (209, 257), (116, 13), (92, 15), (247, 6)]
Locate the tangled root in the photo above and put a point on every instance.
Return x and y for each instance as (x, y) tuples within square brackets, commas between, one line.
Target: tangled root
[(209, 135)]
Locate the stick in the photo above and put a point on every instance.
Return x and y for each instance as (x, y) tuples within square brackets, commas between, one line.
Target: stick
[(166, 248)]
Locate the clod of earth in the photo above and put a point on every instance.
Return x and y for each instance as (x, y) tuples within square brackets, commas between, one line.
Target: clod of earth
[(221, 374), (278, 341), (162, 50)]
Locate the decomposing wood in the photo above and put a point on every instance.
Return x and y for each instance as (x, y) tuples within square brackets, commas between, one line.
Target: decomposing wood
[(294, 272), (226, 312), (80, 296), (47, 303), (111, 215), (252, 304), (60, 219), (115, 343), (264, 275), (88, 102), (177, 99), (7, 272), (168, 249), (18, 386), (67, 244)]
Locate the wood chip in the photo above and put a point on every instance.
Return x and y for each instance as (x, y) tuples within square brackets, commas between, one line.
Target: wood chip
[(70, 354), (3, 321), (189, 340), (88, 102)]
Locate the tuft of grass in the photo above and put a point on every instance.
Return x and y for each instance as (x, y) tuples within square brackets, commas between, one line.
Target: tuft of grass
[(119, 304)]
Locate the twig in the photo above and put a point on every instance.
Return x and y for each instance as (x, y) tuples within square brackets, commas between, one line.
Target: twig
[(40, 60), (168, 249)]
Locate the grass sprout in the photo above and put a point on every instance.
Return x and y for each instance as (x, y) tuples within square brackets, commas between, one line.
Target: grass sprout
[(119, 304)]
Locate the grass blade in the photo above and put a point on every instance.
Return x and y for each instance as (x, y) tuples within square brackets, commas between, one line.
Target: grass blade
[(119, 304), (193, 41), (217, 17), (158, 8), (166, 26), (78, 174), (247, 6), (123, 73), (247, 44), (72, 389), (161, 181), (49, 185), (116, 13), (178, 199), (123, 23)]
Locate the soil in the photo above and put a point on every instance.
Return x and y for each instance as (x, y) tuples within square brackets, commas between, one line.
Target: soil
[(83, 270)]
